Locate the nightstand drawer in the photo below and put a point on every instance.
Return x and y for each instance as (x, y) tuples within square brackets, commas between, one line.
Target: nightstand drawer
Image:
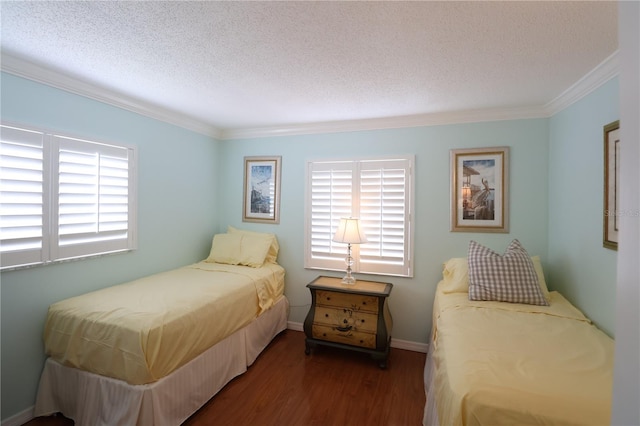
[(343, 317), (359, 302), (354, 338)]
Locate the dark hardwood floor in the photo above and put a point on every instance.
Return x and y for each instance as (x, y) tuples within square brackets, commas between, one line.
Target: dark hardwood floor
[(331, 386)]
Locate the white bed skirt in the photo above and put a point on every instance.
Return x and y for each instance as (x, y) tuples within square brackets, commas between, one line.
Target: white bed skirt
[(94, 400), (430, 417)]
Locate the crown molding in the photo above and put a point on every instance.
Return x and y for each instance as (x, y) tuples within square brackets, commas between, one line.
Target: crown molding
[(419, 120), (28, 69), (21, 67), (595, 78), (605, 71)]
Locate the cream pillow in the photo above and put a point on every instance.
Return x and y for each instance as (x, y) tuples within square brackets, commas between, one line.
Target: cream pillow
[(225, 248), (253, 250), (455, 274), (239, 249), (537, 265), (274, 247)]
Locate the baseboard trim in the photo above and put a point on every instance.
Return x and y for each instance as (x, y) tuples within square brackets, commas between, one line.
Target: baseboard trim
[(395, 343), (409, 345), (296, 326), (20, 418)]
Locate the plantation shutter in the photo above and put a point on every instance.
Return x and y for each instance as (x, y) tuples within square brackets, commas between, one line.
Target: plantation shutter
[(384, 213), (93, 210), (22, 197), (331, 187), (379, 193)]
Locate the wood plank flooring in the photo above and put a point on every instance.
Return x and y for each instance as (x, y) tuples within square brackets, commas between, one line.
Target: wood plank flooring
[(331, 386)]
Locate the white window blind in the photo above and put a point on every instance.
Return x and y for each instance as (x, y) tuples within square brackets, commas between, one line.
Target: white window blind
[(23, 223), (64, 198), (330, 197), (92, 213), (379, 192)]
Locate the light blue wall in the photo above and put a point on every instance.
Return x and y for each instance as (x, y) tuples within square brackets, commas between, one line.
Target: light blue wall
[(177, 216), (190, 186), (579, 266), (411, 299)]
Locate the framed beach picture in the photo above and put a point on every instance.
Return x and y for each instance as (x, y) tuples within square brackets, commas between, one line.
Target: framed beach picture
[(261, 189), (479, 189), (611, 185)]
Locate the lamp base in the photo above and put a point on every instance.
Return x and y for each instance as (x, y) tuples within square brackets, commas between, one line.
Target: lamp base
[(349, 279)]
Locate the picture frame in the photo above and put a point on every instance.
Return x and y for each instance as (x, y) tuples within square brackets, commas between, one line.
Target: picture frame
[(261, 201), (611, 185), (480, 189)]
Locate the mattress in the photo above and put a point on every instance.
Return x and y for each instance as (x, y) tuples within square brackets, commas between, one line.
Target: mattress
[(507, 363), (143, 330)]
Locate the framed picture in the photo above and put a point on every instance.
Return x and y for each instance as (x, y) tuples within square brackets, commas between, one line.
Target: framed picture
[(479, 189), (611, 184), (261, 189)]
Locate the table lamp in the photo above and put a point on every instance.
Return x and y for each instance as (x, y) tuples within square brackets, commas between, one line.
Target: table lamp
[(350, 232)]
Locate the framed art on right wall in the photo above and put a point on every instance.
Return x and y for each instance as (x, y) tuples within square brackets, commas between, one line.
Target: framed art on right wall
[(611, 185)]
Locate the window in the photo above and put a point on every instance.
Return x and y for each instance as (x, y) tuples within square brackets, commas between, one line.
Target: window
[(379, 192), (63, 198)]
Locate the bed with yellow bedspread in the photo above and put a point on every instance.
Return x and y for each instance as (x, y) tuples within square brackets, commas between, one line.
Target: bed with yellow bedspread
[(504, 350), (494, 363), (154, 350), (143, 330)]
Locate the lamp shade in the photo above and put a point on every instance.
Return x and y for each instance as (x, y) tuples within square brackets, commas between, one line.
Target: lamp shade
[(350, 232)]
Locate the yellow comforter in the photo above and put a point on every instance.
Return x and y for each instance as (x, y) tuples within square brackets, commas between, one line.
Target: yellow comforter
[(513, 364), (143, 330)]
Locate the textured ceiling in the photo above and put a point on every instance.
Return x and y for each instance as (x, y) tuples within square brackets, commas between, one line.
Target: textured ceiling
[(238, 65)]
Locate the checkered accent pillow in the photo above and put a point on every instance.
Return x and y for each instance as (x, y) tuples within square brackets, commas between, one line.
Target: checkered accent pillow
[(510, 277)]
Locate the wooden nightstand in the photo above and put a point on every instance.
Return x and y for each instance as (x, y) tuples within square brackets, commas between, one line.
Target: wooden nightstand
[(353, 317)]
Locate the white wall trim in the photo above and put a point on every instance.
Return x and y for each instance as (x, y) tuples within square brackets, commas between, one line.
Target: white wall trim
[(20, 418), (595, 78), (395, 343), (455, 117), (21, 67), (42, 74), (409, 345), (604, 72), (295, 326)]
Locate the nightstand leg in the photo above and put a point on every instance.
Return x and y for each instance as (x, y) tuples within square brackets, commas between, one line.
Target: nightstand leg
[(382, 360)]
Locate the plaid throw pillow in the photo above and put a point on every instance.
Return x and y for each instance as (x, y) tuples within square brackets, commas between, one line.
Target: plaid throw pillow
[(510, 277)]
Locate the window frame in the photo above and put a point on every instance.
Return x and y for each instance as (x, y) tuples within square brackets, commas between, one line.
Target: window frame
[(51, 250), (335, 259)]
